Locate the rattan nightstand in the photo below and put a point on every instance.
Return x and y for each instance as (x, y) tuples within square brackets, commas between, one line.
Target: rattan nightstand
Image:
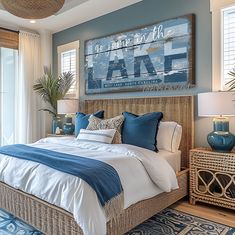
[(212, 177)]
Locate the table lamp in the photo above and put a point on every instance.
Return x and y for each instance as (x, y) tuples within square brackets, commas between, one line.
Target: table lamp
[(219, 105), (68, 107)]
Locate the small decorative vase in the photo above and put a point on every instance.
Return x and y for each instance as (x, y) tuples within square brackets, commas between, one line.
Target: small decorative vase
[(68, 127), (56, 122)]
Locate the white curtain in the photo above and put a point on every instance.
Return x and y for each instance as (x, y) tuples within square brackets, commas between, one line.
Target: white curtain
[(29, 122)]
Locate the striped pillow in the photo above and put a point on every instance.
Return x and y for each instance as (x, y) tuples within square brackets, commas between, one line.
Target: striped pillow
[(96, 136)]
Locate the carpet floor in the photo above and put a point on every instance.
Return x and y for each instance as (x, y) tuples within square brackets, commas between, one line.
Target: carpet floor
[(167, 222)]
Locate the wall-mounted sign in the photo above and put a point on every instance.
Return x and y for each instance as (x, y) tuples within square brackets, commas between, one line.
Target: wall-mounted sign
[(159, 56)]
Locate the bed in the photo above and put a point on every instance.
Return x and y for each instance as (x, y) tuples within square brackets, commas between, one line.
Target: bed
[(54, 220)]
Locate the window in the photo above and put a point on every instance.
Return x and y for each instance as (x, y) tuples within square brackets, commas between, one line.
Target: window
[(68, 57), (9, 42), (8, 73), (228, 43), (223, 42)]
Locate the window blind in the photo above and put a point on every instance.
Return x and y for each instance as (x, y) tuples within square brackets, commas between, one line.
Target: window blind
[(9, 39), (68, 64), (228, 43)]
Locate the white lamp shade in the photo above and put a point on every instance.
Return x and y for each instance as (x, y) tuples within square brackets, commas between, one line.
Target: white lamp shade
[(68, 106), (218, 103)]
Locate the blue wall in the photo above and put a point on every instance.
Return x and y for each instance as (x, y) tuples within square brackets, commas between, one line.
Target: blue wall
[(148, 12)]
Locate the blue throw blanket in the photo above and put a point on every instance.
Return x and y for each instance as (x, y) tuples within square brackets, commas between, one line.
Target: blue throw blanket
[(102, 177)]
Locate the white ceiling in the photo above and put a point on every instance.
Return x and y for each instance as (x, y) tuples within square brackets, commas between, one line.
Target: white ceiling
[(74, 12)]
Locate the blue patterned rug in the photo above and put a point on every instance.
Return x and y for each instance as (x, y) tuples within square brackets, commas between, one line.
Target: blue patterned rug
[(171, 222), (10, 225), (167, 222)]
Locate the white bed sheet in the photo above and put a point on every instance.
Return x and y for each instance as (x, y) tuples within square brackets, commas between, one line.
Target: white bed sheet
[(142, 174), (174, 159)]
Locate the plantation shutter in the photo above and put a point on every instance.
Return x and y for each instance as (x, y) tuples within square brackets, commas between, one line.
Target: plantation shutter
[(68, 64), (68, 61), (9, 39), (228, 43)]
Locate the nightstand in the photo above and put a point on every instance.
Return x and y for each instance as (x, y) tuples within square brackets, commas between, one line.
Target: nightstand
[(212, 177)]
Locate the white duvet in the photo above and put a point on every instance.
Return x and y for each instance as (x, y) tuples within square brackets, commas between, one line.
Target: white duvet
[(142, 173)]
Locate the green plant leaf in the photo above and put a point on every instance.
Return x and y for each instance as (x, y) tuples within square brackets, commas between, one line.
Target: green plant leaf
[(51, 88)]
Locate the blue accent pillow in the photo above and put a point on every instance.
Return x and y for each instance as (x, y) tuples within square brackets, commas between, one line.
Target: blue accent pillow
[(81, 120), (141, 130)]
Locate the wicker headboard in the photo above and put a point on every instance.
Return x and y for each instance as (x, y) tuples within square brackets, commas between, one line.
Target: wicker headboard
[(178, 108)]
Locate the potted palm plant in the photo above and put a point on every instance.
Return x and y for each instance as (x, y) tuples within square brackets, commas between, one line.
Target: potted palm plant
[(51, 88)]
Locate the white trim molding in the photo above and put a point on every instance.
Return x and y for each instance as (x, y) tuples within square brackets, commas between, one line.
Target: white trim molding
[(68, 46), (216, 7)]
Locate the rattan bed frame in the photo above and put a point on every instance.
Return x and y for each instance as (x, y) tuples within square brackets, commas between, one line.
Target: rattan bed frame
[(53, 220)]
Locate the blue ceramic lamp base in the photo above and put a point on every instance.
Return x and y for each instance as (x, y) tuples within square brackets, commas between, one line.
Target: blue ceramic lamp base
[(221, 140), (68, 127)]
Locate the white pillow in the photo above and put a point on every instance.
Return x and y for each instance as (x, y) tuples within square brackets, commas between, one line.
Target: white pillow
[(169, 136), (97, 136)]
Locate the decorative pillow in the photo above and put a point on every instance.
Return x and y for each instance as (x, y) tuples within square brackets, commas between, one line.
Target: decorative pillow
[(112, 123), (97, 136), (169, 136), (141, 130), (81, 120)]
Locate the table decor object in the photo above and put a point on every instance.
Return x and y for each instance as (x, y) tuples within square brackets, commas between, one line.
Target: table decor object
[(219, 105), (68, 107)]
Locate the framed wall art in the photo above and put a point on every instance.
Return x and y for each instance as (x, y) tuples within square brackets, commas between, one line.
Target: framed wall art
[(159, 56)]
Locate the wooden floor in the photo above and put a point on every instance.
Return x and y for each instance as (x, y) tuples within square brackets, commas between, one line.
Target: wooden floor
[(216, 214)]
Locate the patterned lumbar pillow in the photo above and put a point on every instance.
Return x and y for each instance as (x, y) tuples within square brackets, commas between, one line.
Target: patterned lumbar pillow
[(96, 136), (112, 123), (81, 120)]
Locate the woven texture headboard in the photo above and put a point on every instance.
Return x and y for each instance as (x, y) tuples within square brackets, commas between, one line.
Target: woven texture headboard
[(178, 108)]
